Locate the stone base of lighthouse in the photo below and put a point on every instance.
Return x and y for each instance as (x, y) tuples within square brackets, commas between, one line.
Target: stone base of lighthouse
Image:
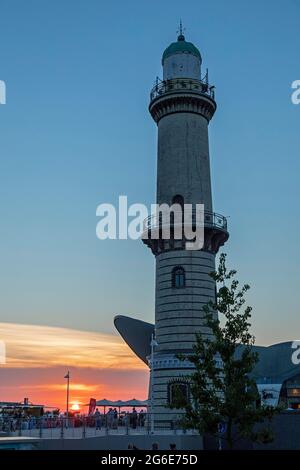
[(168, 371), (179, 316)]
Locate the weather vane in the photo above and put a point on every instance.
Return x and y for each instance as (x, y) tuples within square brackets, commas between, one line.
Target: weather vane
[(181, 29)]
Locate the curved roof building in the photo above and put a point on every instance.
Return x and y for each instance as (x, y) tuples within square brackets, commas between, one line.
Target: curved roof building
[(277, 372), (136, 333)]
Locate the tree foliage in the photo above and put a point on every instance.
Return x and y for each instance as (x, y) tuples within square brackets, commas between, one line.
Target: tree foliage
[(222, 387)]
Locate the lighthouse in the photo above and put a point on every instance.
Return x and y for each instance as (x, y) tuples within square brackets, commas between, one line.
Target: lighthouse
[(182, 105)]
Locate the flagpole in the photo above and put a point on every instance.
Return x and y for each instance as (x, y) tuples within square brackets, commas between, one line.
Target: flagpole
[(68, 392)]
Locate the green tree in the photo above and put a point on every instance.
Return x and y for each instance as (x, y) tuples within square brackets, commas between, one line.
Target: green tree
[(222, 389)]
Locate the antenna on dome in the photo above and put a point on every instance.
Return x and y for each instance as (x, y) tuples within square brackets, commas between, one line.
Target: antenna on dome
[(180, 31)]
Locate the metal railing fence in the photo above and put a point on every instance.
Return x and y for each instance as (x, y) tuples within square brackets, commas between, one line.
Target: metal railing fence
[(83, 426)]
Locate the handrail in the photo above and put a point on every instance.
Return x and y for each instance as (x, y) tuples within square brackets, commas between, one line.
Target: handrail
[(89, 426), (182, 84), (210, 219)]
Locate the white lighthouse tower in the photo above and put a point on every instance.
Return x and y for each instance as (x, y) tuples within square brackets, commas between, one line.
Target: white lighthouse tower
[(182, 106)]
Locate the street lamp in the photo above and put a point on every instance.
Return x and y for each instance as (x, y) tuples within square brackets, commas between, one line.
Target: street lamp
[(153, 344), (68, 393)]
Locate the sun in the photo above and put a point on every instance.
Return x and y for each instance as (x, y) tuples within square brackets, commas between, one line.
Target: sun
[(75, 406)]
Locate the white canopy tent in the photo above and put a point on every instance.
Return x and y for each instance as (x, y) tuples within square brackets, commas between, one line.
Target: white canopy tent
[(122, 404)]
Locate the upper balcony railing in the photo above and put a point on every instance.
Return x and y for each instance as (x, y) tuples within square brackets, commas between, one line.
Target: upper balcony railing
[(180, 85), (207, 219)]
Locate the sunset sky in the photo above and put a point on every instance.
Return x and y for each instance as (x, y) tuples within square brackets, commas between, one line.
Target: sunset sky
[(76, 132), (101, 366)]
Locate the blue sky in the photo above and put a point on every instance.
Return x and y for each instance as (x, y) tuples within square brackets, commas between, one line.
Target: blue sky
[(76, 132)]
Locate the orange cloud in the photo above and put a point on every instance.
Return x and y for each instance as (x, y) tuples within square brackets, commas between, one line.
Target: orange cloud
[(59, 387), (45, 346)]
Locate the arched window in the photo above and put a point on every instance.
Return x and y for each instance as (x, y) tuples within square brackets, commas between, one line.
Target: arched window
[(178, 393), (178, 277)]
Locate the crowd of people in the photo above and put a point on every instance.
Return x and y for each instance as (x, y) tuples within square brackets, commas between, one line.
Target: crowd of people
[(14, 421), (112, 419)]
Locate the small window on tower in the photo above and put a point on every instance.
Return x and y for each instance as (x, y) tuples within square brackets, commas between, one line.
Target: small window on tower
[(178, 393), (178, 277)]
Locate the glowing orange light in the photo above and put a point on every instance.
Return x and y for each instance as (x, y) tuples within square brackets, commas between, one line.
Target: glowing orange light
[(75, 406)]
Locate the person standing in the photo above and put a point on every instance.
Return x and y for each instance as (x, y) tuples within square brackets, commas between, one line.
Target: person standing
[(115, 418), (134, 418), (110, 417), (142, 418), (97, 416)]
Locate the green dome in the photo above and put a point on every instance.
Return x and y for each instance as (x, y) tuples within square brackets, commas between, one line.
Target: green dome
[(181, 46)]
